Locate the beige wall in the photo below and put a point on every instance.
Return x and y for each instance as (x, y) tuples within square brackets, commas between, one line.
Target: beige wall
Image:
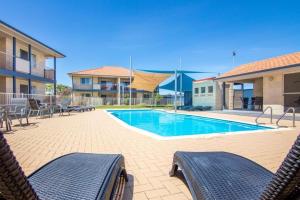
[(9, 85), (273, 92), (258, 87), (207, 99), (2, 84)]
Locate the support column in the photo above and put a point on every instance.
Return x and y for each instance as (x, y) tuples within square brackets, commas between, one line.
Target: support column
[(92, 86), (175, 97), (119, 91), (72, 93), (224, 94), (30, 66), (54, 65), (14, 65)]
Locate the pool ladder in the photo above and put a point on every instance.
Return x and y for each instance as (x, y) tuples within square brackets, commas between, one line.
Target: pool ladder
[(263, 112), (282, 116)]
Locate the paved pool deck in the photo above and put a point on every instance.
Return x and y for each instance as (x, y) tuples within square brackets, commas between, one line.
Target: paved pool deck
[(148, 160)]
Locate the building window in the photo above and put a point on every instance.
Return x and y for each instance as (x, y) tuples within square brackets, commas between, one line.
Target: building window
[(196, 90), (33, 60), (202, 90), (24, 89), (210, 89), (85, 81), (24, 54), (86, 95)]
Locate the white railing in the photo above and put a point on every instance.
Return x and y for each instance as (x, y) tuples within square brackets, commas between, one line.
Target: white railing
[(82, 86), (5, 98)]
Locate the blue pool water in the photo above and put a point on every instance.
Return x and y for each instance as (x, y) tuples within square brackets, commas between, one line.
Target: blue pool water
[(171, 124)]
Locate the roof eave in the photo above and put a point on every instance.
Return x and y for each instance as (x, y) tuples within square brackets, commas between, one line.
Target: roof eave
[(258, 72), (13, 29)]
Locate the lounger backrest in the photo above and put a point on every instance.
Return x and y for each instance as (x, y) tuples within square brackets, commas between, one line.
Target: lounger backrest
[(19, 105), (33, 104), (19, 101), (286, 182), (13, 182)]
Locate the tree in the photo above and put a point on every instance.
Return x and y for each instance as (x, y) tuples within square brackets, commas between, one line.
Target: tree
[(61, 89)]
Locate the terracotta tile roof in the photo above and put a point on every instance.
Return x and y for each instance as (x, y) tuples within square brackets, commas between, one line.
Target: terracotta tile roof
[(204, 79), (267, 64), (104, 71)]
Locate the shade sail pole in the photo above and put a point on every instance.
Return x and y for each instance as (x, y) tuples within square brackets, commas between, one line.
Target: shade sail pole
[(180, 82), (175, 97), (130, 81)]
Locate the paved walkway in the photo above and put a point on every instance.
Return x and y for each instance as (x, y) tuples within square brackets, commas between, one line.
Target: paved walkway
[(148, 160)]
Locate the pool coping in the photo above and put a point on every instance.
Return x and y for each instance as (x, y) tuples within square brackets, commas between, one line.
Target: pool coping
[(158, 137)]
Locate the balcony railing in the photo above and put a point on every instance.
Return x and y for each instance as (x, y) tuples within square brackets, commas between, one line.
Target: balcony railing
[(83, 86), (101, 87), (22, 65), (49, 73)]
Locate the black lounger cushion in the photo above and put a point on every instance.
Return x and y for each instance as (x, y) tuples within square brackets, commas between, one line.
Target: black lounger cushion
[(221, 175), (78, 176)]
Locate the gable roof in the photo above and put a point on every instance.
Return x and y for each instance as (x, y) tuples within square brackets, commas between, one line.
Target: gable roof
[(104, 71), (279, 62)]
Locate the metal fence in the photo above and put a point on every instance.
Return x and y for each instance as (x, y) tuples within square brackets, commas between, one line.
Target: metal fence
[(5, 98)]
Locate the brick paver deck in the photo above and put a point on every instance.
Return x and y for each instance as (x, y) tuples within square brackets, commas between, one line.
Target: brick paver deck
[(148, 160)]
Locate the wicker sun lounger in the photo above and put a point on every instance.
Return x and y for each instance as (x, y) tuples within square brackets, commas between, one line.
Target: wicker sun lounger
[(226, 176), (73, 176)]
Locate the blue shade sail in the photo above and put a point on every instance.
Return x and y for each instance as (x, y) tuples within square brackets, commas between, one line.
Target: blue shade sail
[(187, 84)]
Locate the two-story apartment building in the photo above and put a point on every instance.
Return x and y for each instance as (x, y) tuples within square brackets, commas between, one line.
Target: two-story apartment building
[(26, 64), (107, 82)]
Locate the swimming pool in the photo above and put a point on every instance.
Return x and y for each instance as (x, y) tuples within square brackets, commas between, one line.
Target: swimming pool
[(167, 124)]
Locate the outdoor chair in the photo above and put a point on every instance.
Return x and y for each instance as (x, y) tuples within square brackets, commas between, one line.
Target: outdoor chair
[(40, 110), (257, 102), (18, 109), (245, 102), (73, 176), (226, 176)]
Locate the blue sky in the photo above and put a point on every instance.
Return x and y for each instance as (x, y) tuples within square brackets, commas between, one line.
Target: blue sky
[(156, 33)]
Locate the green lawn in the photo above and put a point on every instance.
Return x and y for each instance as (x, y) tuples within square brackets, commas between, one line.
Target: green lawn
[(133, 106)]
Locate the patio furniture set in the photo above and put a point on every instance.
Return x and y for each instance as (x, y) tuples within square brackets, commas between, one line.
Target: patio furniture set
[(209, 175), (23, 108), (256, 103)]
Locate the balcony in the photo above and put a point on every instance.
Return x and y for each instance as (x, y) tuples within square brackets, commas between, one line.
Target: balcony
[(49, 73), (40, 69), (82, 86), (105, 87)]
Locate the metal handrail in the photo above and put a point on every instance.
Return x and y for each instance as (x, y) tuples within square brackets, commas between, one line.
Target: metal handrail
[(263, 112), (294, 116)]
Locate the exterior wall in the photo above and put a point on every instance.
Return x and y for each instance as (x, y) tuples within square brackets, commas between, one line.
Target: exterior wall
[(218, 96), (258, 87), (40, 88), (9, 85), (2, 84), (273, 92)]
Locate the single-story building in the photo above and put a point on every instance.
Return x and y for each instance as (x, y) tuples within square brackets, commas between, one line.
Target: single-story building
[(275, 82), (207, 92)]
